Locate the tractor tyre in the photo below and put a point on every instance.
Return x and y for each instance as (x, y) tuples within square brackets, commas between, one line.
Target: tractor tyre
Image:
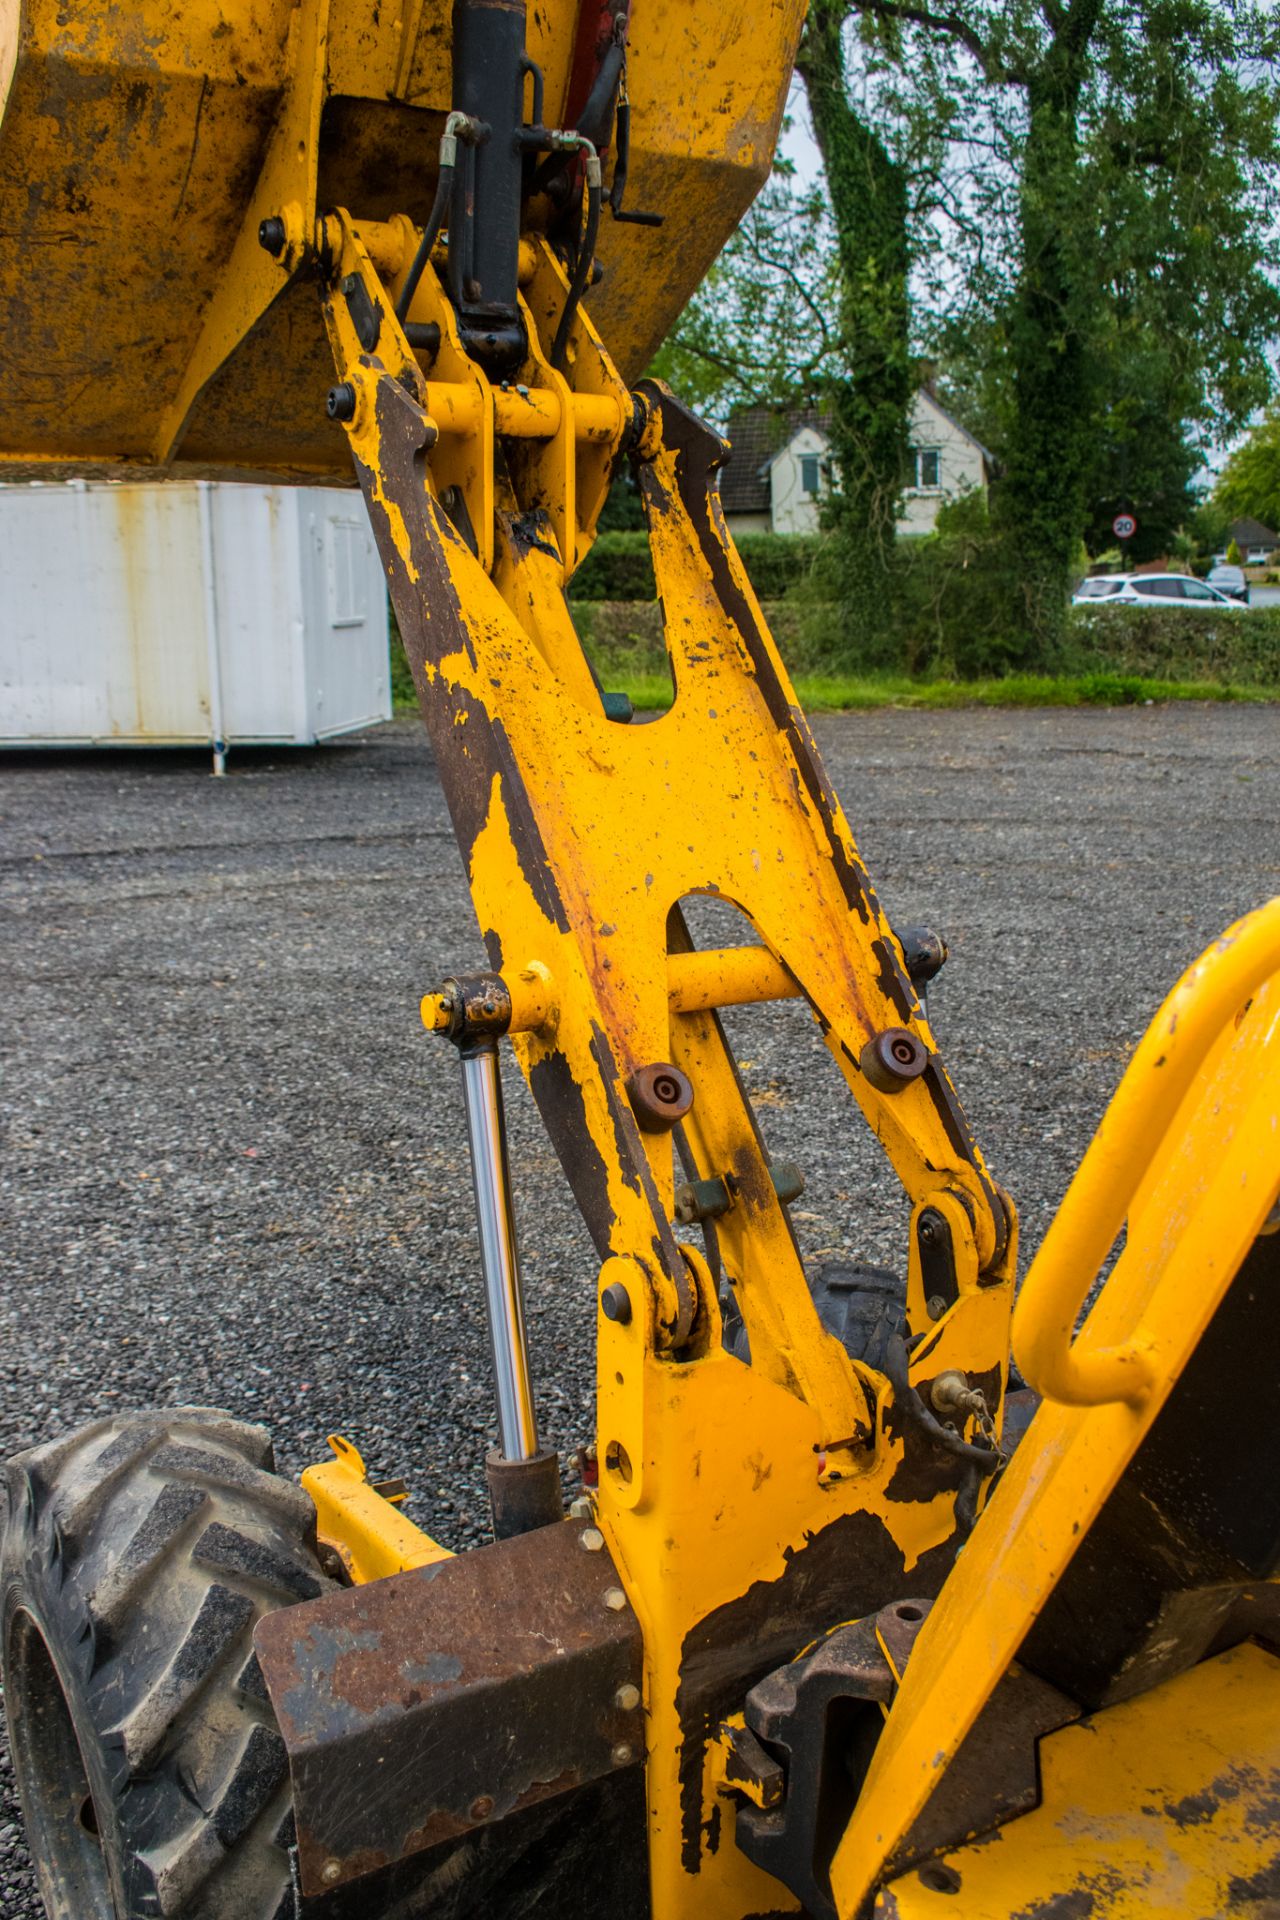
[(138, 1556)]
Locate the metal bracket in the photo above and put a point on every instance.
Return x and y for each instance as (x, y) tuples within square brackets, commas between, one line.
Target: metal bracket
[(510, 1674)]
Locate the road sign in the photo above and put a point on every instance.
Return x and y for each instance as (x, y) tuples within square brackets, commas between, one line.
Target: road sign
[(1124, 526)]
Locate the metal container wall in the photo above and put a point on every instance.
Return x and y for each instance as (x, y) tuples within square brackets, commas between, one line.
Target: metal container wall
[(188, 612)]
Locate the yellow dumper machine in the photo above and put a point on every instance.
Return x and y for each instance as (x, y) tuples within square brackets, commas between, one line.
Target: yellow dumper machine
[(816, 1636)]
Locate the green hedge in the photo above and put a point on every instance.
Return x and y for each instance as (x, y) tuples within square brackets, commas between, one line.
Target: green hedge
[(1237, 649), (618, 566), (1225, 649)]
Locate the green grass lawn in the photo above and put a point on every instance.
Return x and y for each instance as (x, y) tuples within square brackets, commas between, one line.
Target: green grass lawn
[(838, 693)]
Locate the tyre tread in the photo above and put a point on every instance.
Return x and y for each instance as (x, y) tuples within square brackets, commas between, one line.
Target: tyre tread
[(152, 1544)]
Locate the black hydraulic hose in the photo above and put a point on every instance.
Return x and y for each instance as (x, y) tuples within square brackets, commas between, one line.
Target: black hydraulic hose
[(430, 234), (457, 123), (593, 121), (583, 263), (914, 1410)]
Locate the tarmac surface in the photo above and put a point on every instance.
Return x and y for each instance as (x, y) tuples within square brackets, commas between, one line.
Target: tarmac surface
[(235, 1173)]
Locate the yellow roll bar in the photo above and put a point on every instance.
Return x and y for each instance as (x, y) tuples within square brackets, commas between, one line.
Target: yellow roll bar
[(1198, 1014)]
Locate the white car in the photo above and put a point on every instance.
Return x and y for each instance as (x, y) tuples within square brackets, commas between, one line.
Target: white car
[(1151, 589)]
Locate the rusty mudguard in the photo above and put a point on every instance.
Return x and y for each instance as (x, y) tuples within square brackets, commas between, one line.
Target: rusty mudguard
[(424, 1707)]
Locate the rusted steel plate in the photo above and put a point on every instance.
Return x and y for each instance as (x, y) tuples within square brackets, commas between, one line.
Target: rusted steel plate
[(420, 1707)]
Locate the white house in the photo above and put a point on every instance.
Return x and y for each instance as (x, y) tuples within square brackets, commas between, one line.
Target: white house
[(780, 467)]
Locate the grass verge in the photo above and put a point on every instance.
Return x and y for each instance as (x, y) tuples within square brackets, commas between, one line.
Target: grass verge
[(837, 693)]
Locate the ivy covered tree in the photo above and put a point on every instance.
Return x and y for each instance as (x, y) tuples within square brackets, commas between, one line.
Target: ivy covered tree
[(870, 397), (1124, 160), (1063, 208)]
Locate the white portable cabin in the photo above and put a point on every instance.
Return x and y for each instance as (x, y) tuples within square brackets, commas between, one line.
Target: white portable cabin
[(184, 612)]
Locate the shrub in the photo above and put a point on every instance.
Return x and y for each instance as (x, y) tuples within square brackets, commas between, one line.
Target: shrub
[(1236, 649), (777, 563), (618, 566)]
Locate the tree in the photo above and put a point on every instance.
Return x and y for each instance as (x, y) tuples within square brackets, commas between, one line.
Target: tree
[(1250, 482), (762, 327), (1125, 157), (1064, 208), (870, 399)]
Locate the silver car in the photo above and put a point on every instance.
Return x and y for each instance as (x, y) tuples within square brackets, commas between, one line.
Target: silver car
[(1231, 581), (1151, 589)]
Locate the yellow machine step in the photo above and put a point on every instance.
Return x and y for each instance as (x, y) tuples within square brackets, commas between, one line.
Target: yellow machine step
[(1165, 1805)]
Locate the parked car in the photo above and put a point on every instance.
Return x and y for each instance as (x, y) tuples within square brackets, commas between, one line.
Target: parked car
[(1231, 581), (1164, 589)]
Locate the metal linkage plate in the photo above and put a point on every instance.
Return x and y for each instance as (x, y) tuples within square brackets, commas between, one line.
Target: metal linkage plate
[(423, 1706), (822, 1715)]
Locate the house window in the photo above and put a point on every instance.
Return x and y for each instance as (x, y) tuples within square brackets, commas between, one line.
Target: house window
[(810, 473), (928, 469)]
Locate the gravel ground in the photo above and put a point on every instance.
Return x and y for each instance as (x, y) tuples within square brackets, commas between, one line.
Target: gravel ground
[(235, 1172)]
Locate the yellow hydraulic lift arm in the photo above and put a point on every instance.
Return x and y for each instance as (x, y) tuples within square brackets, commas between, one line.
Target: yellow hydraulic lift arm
[(582, 837)]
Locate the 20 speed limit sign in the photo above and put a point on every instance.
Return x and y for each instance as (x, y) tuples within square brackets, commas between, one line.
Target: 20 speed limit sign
[(1124, 526)]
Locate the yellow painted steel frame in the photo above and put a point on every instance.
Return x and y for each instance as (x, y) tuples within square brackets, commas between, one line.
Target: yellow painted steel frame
[(1161, 1808), (361, 1523), (142, 146), (749, 1508), (1190, 1150)]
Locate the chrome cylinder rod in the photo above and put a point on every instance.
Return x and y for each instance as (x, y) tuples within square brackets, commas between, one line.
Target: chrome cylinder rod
[(495, 1217)]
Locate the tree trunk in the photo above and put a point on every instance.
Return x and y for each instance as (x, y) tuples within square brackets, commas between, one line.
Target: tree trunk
[(871, 404), (1040, 502)]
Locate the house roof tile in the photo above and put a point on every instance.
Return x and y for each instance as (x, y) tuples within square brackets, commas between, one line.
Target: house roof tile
[(1252, 533), (755, 435)]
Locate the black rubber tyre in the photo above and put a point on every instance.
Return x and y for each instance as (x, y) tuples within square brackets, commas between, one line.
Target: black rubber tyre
[(139, 1554), (864, 1307)]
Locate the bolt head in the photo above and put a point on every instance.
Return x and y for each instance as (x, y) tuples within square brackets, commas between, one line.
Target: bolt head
[(627, 1698), (892, 1059), (615, 1303), (341, 403), (482, 1807), (331, 1871), (660, 1096), (272, 236), (581, 1508), (592, 1539), (623, 1755), (615, 1599)]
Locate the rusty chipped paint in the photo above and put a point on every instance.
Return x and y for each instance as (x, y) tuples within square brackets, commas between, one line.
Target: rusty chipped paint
[(1165, 1807), (422, 1706), (739, 1510), (141, 146), (743, 1506), (1195, 1164)]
